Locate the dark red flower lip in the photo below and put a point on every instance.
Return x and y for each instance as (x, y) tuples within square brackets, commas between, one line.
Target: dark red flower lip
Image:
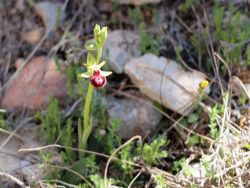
[(98, 80)]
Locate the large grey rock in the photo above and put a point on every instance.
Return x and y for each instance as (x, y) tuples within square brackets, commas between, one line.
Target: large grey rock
[(51, 13), (165, 81), (120, 47), (247, 87), (137, 117), (11, 161)]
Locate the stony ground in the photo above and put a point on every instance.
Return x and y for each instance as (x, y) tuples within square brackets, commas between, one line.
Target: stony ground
[(160, 53)]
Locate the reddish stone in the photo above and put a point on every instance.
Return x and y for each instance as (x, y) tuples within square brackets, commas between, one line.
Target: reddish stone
[(33, 85)]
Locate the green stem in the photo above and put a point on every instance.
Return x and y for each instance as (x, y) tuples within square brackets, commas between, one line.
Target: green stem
[(87, 127), (99, 53)]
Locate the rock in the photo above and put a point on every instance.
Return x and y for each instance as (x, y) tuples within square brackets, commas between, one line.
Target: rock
[(11, 161), (33, 85), (197, 174), (50, 13), (165, 81), (105, 6), (247, 87), (137, 117), (136, 2), (121, 46), (8, 162), (20, 5), (33, 36), (239, 85)]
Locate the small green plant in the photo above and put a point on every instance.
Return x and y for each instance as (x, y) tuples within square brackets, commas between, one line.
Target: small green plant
[(85, 167), (148, 42), (243, 98), (100, 183), (233, 30), (193, 140), (136, 15), (47, 160), (214, 130), (71, 76), (125, 155), (247, 147), (51, 122), (160, 182), (183, 165), (97, 79), (193, 118), (206, 161), (188, 4), (152, 152), (247, 54), (3, 124), (110, 140), (66, 139)]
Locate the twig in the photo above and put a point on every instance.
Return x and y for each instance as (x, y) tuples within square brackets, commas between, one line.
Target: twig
[(14, 132), (61, 182), (230, 180), (14, 135), (238, 81), (113, 154), (14, 179), (74, 172), (37, 149), (72, 108), (135, 178)]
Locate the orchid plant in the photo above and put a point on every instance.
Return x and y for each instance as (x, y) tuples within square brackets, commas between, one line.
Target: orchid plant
[(97, 79)]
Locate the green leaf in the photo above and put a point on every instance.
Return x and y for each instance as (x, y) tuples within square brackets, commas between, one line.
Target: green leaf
[(193, 118), (151, 153), (160, 181), (193, 140), (91, 46), (247, 146)]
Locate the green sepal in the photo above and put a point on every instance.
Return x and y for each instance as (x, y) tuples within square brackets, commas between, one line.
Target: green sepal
[(91, 46), (105, 73), (85, 75), (90, 59)]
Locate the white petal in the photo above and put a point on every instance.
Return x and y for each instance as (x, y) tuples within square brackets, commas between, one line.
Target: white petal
[(84, 75), (106, 73), (101, 64)]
